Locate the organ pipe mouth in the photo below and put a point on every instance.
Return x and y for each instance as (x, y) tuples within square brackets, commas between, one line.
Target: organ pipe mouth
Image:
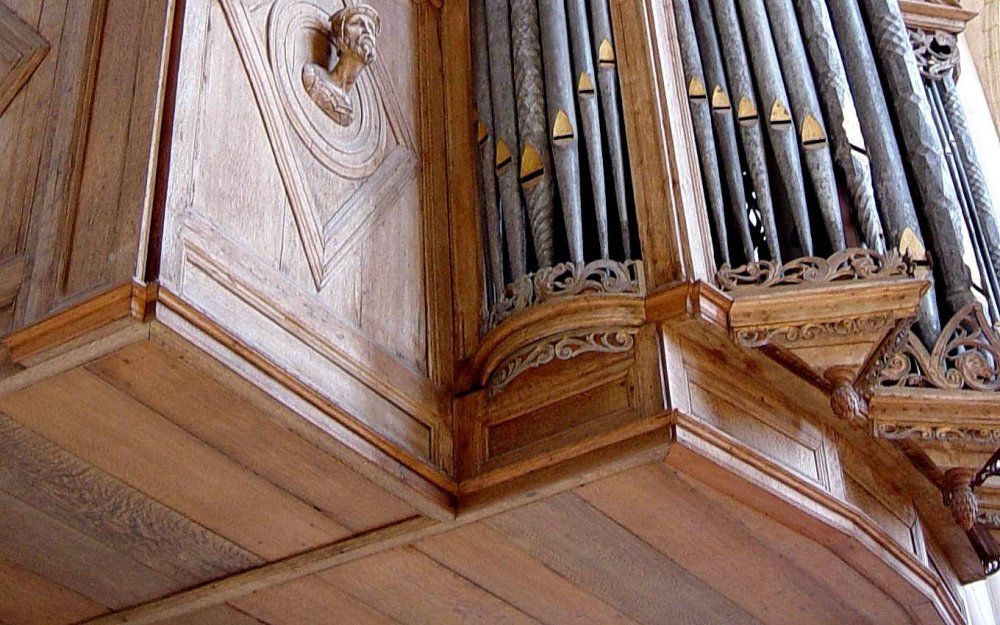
[(746, 111), (606, 55), (504, 157), (585, 86), (696, 89), (720, 99), (813, 135), (562, 130), (780, 116), (482, 133), (532, 169)]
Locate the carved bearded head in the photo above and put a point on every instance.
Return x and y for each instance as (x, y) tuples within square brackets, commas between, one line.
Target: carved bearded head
[(353, 30)]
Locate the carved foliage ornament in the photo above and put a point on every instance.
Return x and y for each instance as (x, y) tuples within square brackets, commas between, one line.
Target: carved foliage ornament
[(850, 264), (936, 52), (353, 30), (568, 280), (562, 347), (967, 356), (759, 337)]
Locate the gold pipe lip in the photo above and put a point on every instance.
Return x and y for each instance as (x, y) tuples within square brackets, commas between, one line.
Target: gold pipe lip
[(746, 111), (585, 86), (696, 89), (504, 158), (532, 168), (779, 115), (813, 135), (606, 54), (720, 99), (562, 129), (482, 133)]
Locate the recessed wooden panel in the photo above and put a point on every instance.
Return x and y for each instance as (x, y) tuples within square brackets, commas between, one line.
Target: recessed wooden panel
[(888, 519)]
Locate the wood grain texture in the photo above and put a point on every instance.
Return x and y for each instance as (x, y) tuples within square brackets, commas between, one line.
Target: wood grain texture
[(592, 550), (116, 433), (21, 50), (218, 615), (80, 496), (485, 557), (310, 601), (222, 418), (29, 599)]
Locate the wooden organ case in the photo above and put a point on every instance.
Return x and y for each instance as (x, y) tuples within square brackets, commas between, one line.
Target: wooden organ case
[(419, 311)]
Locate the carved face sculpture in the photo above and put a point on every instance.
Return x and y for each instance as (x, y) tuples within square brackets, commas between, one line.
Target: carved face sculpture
[(354, 31)]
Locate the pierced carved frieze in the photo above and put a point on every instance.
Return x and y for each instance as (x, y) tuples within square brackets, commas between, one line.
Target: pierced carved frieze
[(850, 264), (326, 98), (810, 332), (938, 433), (564, 346), (936, 52), (966, 357), (567, 280)]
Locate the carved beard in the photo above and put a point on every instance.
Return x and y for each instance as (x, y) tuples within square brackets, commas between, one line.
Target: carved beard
[(364, 46)]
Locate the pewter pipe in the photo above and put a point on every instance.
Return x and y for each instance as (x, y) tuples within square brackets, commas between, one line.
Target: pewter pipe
[(805, 105), (982, 203), (505, 127), (536, 162), (891, 188), (779, 121), (844, 126), (485, 148), (748, 117), (963, 188), (579, 35), (722, 119), (562, 119), (701, 119), (923, 147), (600, 28)]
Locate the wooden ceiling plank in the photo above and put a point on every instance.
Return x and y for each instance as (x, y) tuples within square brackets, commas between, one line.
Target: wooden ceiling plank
[(584, 545), (41, 544), (701, 536), (218, 615), (310, 601), (222, 418), (488, 559), (414, 589), (30, 599), (36, 471), (105, 427)]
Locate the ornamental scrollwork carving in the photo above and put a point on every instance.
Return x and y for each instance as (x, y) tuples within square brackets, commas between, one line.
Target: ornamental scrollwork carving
[(560, 347), (937, 433), (850, 264), (936, 52), (353, 31), (759, 337), (608, 277), (966, 357)]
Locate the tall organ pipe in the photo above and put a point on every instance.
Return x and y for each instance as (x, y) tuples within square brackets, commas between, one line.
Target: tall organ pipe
[(895, 203), (536, 161), (505, 127), (982, 213), (848, 144), (748, 117), (722, 119), (701, 118), (586, 93), (607, 68), (805, 104), (486, 149), (923, 146), (562, 119), (779, 121)]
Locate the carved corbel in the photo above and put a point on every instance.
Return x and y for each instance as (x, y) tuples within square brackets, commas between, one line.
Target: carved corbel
[(353, 31), (845, 399), (960, 497)]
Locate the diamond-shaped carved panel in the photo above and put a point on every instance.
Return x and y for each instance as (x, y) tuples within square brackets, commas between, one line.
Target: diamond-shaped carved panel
[(22, 48)]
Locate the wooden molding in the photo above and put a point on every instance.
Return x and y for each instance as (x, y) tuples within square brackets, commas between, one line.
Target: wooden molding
[(24, 49), (946, 15)]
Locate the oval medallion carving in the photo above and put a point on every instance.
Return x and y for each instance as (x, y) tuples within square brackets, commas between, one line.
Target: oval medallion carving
[(297, 36)]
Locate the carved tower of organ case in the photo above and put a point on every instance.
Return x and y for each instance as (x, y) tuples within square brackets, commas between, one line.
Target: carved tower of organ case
[(602, 311)]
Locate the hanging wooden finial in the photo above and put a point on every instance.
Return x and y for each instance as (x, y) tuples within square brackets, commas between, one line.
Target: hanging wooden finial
[(746, 111), (532, 169), (780, 115), (585, 86), (606, 55), (813, 136), (503, 156), (562, 129), (720, 100)]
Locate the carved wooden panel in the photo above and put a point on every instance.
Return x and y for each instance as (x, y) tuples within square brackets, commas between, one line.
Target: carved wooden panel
[(306, 234), (79, 87)]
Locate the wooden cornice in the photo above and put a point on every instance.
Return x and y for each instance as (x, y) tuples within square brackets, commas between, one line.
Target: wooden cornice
[(944, 15)]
